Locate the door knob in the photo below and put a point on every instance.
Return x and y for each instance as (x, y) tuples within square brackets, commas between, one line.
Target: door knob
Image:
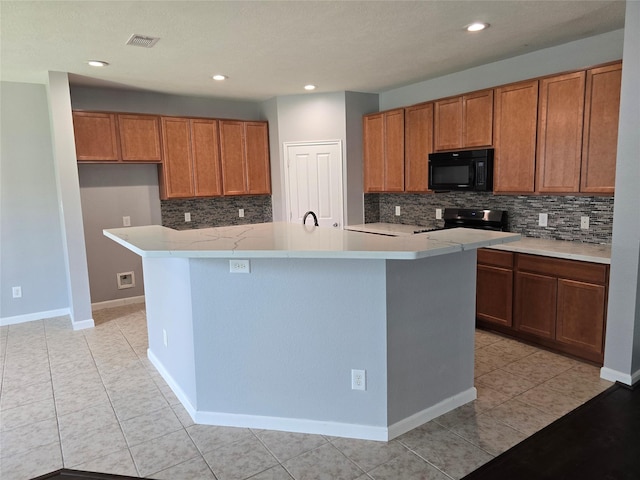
[(335, 225)]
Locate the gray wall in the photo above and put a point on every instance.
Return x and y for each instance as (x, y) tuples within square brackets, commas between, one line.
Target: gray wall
[(137, 101), (622, 349), (357, 105), (31, 252), (314, 117), (570, 56), (108, 193)]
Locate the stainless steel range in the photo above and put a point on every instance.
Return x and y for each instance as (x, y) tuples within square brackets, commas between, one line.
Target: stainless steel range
[(453, 217)]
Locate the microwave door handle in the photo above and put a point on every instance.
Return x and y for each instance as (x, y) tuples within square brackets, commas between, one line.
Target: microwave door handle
[(472, 176)]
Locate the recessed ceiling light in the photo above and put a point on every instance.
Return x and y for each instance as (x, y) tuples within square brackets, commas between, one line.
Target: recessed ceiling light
[(97, 63), (309, 87), (220, 77), (477, 26)]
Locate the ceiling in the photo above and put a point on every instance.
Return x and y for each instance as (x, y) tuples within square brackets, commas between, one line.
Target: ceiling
[(274, 48)]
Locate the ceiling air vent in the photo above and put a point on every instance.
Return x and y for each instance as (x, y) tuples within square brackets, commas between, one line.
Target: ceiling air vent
[(142, 41)]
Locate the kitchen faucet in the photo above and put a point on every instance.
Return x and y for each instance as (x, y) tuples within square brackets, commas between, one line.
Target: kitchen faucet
[(315, 219)]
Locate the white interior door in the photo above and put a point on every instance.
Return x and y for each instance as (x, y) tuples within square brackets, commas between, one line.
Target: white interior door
[(313, 180)]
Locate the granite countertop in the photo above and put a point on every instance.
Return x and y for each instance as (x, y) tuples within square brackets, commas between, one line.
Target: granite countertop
[(287, 240), (586, 252), (380, 228)]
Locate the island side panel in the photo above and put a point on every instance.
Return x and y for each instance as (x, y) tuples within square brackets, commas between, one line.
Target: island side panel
[(280, 341), (430, 329), (168, 304)]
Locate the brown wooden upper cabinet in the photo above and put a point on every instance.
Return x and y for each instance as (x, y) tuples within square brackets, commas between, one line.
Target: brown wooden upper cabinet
[(560, 133), (191, 166), (516, 120), (418, 138), (117, 137), (244, 155), (383, 136), (578, 131), (464, 122), (600, 139)]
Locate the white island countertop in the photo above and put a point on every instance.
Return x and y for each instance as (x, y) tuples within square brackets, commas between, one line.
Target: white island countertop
[(287, 240)]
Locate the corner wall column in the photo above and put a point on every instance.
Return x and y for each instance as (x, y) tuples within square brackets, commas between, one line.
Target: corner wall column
[(66, 171)]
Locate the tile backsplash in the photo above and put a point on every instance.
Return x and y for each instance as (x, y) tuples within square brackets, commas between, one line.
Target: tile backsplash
[(564, 212), (216, 211)]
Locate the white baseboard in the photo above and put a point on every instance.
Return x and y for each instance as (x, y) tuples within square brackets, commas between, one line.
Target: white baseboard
[(117, 303), (182, 396), (428, 414), (334, 429), (297, 425), (30, 317), (616, 376)]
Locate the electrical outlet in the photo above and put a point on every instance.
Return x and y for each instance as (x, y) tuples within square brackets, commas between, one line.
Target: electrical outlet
[(126, 221), (241, 212), (165, 338), (358, 379), (239, 266), (438, 214), (584, 223), (398, 210), (543, 219), (17, 292), (187, 217)]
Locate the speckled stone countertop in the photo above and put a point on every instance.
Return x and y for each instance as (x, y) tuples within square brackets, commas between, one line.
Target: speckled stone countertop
[(287, 240), (586, 252)]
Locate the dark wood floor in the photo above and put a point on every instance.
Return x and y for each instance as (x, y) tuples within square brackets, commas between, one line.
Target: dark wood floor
[(600, 440)]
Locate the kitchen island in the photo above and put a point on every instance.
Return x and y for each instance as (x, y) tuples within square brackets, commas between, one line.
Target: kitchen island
[(261, 325)]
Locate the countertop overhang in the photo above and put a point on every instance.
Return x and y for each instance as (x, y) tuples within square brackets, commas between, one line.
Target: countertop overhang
[(287, 240)]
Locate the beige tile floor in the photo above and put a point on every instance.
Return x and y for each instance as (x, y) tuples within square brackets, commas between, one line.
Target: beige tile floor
[(90, 400)]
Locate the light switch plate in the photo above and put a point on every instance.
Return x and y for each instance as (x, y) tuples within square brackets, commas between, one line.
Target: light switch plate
[(584, 223), (397, 210), (543, 219), (438, 214), (187, 217)]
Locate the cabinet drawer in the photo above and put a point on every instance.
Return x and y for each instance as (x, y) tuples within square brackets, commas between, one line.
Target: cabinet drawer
[(572, 269), (495, 257)]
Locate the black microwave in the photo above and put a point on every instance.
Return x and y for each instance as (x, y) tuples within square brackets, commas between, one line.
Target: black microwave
[(463, 170)]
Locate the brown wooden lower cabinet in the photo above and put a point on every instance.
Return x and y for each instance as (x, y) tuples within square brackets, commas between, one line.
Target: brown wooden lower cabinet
[(556, 303), (495, 287), (535, 306)]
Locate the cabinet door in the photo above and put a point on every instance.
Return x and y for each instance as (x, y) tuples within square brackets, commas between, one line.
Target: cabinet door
[(139, 138), (96, 136), (516, 120), (600, 140), (448, 124), (257, 158), (373, 152), (535, 304), (560, 133), (177, 173), (581, 314), (418, 139), (394, 151), (232, 156), (477, 119), (494, 294), (205, 154)]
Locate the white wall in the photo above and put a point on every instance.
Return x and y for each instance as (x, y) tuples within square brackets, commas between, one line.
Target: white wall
[(570, 56), (31, 252), (622, 349)]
